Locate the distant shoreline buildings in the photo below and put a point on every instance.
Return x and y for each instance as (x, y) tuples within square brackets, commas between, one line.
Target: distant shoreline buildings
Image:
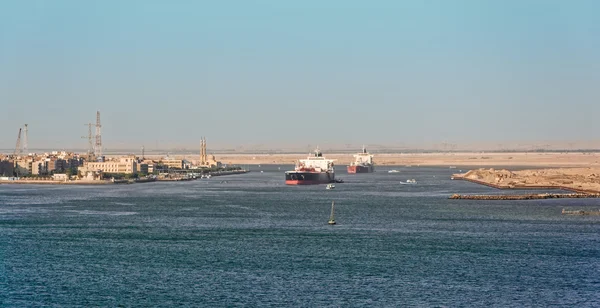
[(91, 166)]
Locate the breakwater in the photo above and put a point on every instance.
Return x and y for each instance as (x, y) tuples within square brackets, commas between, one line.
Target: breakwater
[(580, 212), (524, 197), (230, 172), (524, 187)]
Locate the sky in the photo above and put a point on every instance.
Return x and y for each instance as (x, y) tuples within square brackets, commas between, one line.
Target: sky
[(279, 73)]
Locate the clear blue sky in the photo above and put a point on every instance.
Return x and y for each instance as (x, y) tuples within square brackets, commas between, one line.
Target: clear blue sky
[(302, 72)]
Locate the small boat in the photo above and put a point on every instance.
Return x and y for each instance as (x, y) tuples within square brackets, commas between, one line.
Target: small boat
[(452, 167), (330, 186), (393, 171), (411, 181), (331, 217)]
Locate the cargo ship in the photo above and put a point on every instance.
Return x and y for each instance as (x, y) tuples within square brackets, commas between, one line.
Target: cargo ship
[(363, 163), (315, 169)]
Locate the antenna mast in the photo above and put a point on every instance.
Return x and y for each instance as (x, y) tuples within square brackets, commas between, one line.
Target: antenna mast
[(25, 146), (98, 148), (90, 149)]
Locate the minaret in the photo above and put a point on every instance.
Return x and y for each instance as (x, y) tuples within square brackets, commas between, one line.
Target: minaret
[(203, 151)]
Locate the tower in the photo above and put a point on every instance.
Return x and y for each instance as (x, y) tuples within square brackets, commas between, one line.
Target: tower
[(89, 137), (25, 145), (203, 159), (98, 147), (143, 156)]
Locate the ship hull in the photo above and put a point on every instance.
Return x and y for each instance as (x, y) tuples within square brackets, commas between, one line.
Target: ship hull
[(360, 169), (308, 178)]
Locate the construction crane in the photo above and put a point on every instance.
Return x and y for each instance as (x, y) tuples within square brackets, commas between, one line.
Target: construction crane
[(18, 146)]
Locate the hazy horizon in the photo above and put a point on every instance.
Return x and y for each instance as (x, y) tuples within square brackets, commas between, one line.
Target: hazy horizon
[(221, 148), (293, 74)]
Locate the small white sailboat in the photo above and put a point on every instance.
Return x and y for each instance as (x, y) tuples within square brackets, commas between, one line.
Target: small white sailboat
[(331, 217), (393, 171), (330, 186)]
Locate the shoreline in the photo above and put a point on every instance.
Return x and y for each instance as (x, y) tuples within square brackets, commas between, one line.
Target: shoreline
[(528, 187), (577, 180), (470, 159), (116, 182)]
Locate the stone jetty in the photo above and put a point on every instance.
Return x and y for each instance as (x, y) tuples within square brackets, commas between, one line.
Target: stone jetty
[(580, 212)]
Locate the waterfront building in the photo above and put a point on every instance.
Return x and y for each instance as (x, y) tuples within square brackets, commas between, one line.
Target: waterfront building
[(7, 168), (125, 165), (142, 168), (173, 163), (207, 161), (23, 167), (39, 167), (73, 162), (55, 164), (60, 177), (150, 164)]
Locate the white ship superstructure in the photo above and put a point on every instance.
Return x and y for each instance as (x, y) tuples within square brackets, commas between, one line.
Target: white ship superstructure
[(315, 169)]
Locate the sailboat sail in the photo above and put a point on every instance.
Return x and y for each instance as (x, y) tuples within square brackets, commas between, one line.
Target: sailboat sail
[(331, 217)]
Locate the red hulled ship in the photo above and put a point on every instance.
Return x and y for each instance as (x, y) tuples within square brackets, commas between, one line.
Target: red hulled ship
[(315, 169), (363, 163)]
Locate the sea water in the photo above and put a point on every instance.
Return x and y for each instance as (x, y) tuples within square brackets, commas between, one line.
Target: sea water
[(249, 240)]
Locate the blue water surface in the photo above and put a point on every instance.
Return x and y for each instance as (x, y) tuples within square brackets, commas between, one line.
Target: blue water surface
[(249, 240)]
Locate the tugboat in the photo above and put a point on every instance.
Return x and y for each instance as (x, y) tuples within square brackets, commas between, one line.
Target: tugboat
[(315, 169), (363, 162)]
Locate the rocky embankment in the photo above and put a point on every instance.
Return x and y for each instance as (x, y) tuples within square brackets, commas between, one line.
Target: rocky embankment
[(585, 180)]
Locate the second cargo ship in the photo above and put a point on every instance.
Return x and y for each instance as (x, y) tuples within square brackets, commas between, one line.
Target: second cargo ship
[(315, 169), (363, 163)]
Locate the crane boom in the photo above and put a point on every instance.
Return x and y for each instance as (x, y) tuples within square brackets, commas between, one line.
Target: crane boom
[(18, 146)]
